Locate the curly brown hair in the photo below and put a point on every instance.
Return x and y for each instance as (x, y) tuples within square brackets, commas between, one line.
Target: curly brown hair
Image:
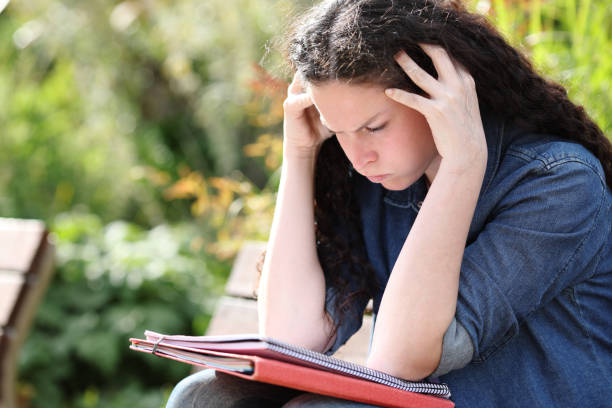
[(355, 41)]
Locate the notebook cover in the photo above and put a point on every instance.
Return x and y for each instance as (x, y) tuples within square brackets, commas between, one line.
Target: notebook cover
[(325, 383), (255, 345), (340, 386)]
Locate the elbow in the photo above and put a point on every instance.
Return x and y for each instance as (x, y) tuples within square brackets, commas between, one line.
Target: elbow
[(316, 334), (408, 367)]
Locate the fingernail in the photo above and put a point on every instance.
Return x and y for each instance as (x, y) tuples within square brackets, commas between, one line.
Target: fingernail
[(389, 91)]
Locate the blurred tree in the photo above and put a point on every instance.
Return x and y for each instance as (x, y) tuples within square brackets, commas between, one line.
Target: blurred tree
[(104, 100), (234, 209)]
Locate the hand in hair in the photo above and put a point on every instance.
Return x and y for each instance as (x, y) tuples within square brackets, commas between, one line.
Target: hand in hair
[(451, 109), (303, 130)]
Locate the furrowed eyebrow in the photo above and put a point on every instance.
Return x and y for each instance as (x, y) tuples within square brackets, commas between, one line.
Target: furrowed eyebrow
[(367, 122)]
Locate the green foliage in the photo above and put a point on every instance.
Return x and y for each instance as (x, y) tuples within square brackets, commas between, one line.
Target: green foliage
[(114, 281), (103, 101), (569, 42), (234, 209)]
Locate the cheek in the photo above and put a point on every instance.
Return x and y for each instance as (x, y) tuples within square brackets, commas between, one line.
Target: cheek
[(415, 137), (410, 145)]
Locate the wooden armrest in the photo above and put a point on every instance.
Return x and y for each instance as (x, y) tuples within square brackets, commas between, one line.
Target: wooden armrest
[(26, 264)]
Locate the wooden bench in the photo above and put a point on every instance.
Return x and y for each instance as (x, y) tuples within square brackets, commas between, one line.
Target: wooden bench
[(236, 312), (26, 260)]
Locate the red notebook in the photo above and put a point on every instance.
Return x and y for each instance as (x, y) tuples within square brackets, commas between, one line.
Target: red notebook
[(270, 361)]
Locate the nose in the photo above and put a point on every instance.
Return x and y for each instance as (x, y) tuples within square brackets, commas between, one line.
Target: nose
[(359, 154)]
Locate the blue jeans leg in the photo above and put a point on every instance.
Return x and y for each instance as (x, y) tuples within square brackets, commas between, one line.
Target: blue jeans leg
[(212, 389), (322, 401)]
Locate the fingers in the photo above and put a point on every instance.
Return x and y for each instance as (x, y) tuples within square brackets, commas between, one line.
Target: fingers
[(418, 75), (297, 103), (315, 122), (297, 100), (442, 62), (466, 78), (449, 72), (297, 84), (453, 88), (452, 79), (411, 100), (302, 123)]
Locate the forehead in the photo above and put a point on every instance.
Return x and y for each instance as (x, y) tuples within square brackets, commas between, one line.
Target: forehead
[(345, 107)]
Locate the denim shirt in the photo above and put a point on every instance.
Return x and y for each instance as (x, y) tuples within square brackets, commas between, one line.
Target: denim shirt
[(535, 290)]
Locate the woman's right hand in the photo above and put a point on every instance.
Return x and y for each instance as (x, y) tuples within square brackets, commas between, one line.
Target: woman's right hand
[(303, 130)]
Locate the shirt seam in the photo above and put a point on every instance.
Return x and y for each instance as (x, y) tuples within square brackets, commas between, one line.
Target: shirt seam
[(571, 290), (594, 222), (498, 154), (549, 164)]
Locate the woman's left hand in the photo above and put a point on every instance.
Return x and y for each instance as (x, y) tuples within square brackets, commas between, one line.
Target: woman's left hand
[(451, 110)]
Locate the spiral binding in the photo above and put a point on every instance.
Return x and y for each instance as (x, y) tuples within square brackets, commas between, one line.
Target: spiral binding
[(326, 361)]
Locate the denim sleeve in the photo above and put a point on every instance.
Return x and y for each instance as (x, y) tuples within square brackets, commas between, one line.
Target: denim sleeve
[(545, 235)]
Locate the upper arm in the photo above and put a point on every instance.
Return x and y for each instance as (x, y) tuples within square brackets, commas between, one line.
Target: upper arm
[(544, 236)]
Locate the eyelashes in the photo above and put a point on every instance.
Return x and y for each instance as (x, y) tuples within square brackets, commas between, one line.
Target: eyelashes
[(367, 129), (376, 129)]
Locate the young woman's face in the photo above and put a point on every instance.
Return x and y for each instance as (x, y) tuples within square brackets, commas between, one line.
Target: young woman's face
[(385, 141)]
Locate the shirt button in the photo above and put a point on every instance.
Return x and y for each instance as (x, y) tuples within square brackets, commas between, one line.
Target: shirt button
[(419, 204)]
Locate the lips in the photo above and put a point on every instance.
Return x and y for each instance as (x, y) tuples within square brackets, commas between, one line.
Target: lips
[(378, 178)]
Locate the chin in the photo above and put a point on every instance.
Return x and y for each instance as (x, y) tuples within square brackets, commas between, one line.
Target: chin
[(396, 185)]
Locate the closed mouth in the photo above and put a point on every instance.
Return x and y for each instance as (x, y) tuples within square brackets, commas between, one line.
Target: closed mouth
[(377, 178)]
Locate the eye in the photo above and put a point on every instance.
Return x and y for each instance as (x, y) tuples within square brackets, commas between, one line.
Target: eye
[(376, 129)]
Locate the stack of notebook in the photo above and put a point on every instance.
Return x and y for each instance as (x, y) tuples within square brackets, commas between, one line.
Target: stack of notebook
[(271, 361)]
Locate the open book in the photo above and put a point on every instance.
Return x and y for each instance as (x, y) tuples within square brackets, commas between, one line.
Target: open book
[(268, 360)]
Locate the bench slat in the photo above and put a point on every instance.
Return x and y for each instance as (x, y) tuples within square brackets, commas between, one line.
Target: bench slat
[(11, 286), (236, 313), (242, 281), (26, 265), (237, 316), (19, 242)]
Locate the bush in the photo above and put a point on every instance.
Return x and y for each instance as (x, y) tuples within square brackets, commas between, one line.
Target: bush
[(112, 283), (566, 40)]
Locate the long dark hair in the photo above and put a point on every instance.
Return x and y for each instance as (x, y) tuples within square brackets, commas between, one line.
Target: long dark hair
[(355, 40)]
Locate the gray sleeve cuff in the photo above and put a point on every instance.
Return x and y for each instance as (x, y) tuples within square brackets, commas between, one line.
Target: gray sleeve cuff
[(457, 349)]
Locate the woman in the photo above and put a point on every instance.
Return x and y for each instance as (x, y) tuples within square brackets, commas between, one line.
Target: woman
[(463, 193)]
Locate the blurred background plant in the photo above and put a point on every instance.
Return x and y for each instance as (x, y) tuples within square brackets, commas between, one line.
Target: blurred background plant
[(147, 134), (569, 41)]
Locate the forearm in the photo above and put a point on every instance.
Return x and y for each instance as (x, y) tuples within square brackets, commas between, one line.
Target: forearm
[(292, 290), (421, 296)]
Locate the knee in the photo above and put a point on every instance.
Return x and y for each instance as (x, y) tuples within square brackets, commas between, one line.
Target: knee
[(192, 389), (212, 389), (321, 401)]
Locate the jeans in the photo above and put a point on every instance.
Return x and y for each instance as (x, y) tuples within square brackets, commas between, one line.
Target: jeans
[(212, 389)]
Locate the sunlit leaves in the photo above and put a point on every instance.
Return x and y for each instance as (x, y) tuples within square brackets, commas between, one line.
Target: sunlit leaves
[(233, 207), (568, 41)]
